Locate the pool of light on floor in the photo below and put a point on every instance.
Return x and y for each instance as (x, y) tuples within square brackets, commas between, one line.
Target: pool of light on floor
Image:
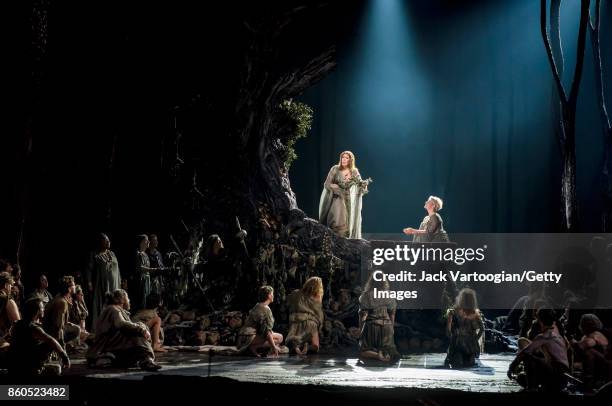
[(423, 371)]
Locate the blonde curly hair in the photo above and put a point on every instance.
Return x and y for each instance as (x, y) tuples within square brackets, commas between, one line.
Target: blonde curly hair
[(313, 287)]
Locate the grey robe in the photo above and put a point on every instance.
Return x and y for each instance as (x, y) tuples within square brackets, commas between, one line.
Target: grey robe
[(305, 318), (340, 207), (115, 333), (377, 333), (143, 273), (435, 230), (258, 323), (103, 273)]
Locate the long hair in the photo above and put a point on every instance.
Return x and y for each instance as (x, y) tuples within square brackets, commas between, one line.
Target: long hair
[(210, 245), (466, 301), (313, 287), (372, 283), (352, 164)]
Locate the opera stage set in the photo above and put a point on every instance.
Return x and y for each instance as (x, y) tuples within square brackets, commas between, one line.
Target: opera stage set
[(398, 201)]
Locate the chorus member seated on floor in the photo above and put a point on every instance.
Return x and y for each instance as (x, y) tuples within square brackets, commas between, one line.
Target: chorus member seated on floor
[(102, 275), (151, 319), (544, 360), (527, 310), (78, 310), (340, 203), (143, 271), (256, 334), (17, 289), (120, 339), (9, 312), (57, 314), (592, 351), (465, 327), (41, 291), (431, 228), (305, 317), (32, 347), (376, 319), (535, 327)]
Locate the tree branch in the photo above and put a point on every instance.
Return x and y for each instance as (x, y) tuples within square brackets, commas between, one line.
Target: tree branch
[(599, 83), (555, 33), (551, 59), (584, 18)]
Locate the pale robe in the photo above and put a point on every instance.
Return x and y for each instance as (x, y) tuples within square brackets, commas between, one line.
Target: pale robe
[(339, 207)]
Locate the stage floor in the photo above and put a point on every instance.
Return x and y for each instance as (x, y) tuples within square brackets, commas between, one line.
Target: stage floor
[(419, 371)]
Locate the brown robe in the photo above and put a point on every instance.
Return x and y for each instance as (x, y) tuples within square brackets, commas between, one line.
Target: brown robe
[(435, 230), (56, 321), (305, 318), (259, 322), (377, 333)]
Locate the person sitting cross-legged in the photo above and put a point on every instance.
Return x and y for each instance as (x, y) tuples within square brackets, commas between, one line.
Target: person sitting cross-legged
[(118, 338), (32, 346), (544, 359)]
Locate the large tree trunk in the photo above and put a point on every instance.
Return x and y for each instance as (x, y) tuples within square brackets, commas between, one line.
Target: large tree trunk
[(244, 178), (606, 178), (567, 135)]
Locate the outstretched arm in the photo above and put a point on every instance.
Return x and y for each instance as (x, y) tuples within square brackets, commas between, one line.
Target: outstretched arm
[(433, 226), (40, 335), (141, 266)]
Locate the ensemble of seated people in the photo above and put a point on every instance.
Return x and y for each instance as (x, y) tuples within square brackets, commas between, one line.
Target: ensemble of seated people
[(36, 334), (547, 359), (43, 328)]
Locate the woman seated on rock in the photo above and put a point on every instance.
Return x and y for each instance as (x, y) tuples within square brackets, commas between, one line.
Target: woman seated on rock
[(305, 317), (119, 339), (256, 334)]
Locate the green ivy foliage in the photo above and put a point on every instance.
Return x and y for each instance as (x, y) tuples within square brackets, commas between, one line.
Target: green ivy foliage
[(299, 122)]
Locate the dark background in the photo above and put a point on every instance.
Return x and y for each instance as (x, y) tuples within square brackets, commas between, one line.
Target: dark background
[(451, 98), (454, 99)]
